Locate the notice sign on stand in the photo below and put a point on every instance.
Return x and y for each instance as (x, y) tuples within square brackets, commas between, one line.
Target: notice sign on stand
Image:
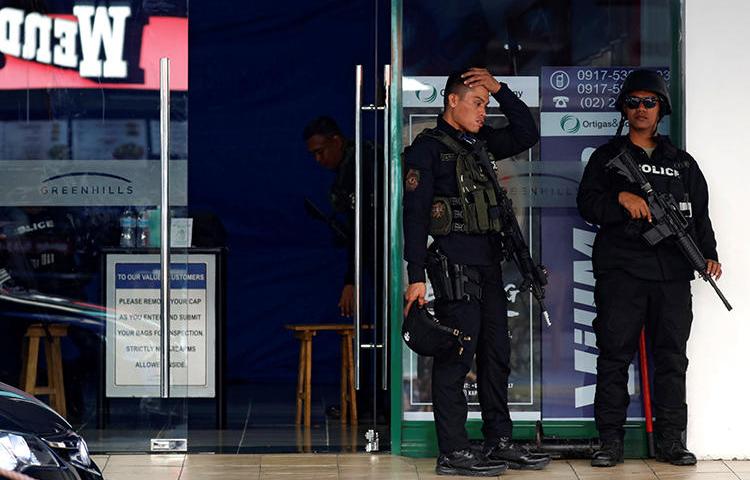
[(134, 335)]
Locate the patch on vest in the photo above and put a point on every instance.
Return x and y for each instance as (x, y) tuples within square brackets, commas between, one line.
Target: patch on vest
[(438, 210), (448, 157), (412, 180), (656, 170)]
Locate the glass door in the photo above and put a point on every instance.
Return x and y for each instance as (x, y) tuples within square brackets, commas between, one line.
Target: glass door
[(94, 174), (274, 88)]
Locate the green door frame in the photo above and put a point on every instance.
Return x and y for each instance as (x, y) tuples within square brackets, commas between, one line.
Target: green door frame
[(396, 232)]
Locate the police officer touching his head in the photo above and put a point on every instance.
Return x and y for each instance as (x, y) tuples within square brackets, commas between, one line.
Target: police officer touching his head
[(637, 283), (448, 194)]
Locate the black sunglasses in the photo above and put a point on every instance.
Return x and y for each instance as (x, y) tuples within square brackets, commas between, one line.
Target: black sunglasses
[(648, 102)]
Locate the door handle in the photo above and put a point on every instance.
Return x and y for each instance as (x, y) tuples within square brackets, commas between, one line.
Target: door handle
[(357, 221), (164, 114), (358, 226)]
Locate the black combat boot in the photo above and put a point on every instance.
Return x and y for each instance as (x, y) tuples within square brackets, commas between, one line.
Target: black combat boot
[(609, 454), (468, 463), (517, 458), (674, 451)]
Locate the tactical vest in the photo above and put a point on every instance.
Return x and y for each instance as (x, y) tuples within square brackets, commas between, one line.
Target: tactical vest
[(475, 210)]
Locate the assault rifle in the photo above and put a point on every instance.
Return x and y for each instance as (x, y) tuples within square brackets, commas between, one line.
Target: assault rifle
[(339, 231), (668, 219), (514, 246)]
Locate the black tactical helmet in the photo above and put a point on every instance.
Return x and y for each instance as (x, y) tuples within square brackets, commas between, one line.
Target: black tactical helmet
[(424, 334), (649, 81)]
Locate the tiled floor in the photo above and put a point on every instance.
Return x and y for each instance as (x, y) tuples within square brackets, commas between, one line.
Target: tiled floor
[(382, 467)]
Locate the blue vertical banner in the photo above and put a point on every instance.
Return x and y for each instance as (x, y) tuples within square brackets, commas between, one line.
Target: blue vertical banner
[(577, 115)]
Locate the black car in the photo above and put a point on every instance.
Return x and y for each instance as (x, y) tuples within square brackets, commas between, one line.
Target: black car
[(36, 441)]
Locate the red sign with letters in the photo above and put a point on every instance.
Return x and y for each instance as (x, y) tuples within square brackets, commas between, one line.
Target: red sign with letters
[(35, 68)]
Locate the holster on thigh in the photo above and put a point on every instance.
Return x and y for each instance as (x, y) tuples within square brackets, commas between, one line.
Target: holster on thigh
[(452, 282)]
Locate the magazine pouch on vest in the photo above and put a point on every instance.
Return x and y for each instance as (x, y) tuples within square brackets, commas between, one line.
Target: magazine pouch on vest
[(475, 210)]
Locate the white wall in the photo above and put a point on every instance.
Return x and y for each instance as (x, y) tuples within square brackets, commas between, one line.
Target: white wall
[(717, 74)]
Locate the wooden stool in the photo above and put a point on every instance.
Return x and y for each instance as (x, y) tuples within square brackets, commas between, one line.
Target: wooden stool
[(305, 334), (53, 355)]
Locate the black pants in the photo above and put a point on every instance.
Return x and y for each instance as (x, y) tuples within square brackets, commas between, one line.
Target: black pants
[(624, 304), (486, 322)]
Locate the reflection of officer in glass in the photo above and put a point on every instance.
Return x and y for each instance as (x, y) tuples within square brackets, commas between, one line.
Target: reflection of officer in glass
[(432, 171), (37, 250), (39, 247), (333, 151), (637, 284)]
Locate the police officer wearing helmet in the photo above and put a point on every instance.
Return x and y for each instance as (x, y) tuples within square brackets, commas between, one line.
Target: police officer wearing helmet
[(448, 195), (638, 284)]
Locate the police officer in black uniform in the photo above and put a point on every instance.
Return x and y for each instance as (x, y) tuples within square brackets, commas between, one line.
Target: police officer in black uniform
[(334, 152), (449, 195), (637, 284)]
